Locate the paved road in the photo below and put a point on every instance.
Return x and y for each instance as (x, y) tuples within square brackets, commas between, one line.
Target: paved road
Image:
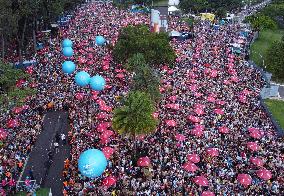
[(49, 175)]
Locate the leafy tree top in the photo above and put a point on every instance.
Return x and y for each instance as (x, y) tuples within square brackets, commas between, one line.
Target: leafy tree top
[(135, 117), (138, 39)]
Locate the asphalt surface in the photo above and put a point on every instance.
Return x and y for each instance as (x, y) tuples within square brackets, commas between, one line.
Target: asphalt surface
[(281, 91), (49, 173)]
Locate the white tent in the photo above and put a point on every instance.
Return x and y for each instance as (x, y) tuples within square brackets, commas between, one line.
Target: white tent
[(172, 9), (175, 34), (173, 2)]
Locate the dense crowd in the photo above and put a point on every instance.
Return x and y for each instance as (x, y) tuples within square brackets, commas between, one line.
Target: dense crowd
[(209, 89)]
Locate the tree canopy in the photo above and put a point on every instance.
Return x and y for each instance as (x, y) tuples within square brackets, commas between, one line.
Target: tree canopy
[(274, 60), (138, 39), (135, 116)]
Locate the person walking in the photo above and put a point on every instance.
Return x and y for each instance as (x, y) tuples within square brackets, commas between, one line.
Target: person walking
[(63, 138)]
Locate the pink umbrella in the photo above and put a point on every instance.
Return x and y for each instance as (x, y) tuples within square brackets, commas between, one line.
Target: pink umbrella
[(143, 162), (214, 152), (171, 123), (18, 110), (108, 151), (194, 158), (173, 98), (223, 129), (180, 137), (101, 127), (106, 108), (244, 179), (200, 106), (120, 75), (207, 193), (256, 161), (242, 98), (197, 132), (264, 174), (253, 146), (109, 181), (190, 167), (100, 102), (102, 115), (218, 111), (155, 114), (230, 65), (193, 119), (104, 140), (13, 123), (3, 134), (255, 133), (193, 87), (108, 133), (198, 111), (213, 73), (79, 96), (210, 99), (200, 180)]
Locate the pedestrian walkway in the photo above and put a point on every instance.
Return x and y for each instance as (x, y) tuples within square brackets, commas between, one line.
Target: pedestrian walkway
[(45, 164)]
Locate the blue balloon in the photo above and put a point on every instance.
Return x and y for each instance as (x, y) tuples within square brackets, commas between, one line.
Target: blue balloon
[(100, 40), (68, 67), (67, 43), (92, 163), (97, 83), (82, 78), (67, 51)]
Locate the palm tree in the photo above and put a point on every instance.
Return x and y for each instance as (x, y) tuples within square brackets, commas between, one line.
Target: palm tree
[(135, 116)]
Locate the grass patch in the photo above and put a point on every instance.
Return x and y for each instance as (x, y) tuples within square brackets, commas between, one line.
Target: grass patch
[(161, 3), (276, 107), (39, 192), (264, 41)]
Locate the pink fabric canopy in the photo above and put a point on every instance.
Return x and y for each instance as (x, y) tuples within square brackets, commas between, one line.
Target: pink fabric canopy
[(171, 123), (223, 129), (79, 96), (109, 181), (155, 114), (211, 99), (198, 111), (264, 174), (253, 146), (108, 151), (244, 179), (173, 98), (3, 134), (13, 123), (256, 161), (173, 106), (197, 132), (214, 152), (143, 162), (194, 158), (180, 137), (194, 119), (255, 133), (207, 193), (200, 180), (218, 111), (190, 167)]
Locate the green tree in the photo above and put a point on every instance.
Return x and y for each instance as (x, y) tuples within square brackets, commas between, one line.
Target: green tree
[(9, 76), (145, 79), (138, 39), (260, 22), (135, 116), (274, 60)]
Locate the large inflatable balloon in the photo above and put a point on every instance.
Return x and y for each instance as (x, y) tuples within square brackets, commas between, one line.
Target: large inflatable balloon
[(92, 163), (100, 40), (68, 67), (97, 83), (82, 78), (67, 51), (67, 43)]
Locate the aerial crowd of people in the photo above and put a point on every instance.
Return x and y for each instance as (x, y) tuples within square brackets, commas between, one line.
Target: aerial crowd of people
[(213, 137)]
